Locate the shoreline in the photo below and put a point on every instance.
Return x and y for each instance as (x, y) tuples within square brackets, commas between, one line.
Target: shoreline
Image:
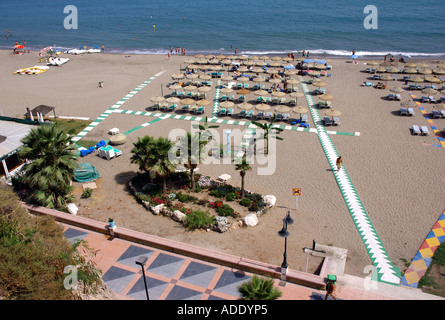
[(319, 53)]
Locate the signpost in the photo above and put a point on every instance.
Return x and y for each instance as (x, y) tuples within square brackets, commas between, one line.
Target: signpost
[(296, 192)]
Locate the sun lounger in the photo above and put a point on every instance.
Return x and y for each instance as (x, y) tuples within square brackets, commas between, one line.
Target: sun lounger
[(415, 129), (222, 112), (241, 98), (193, 109), (231, 97), (279, 116), (398, 97), (303, 118), (432, 99), (242, 114), (442, 99), (293, 102), (275, 101), (185, 108), (412, 87), (403, 111), (410, 111), (391, 96), (229, 111), (200, 110), (424, 130), (286, 117), (283, 100), (172, 107), (368, 84), (425, 99), (442, 113), (163, 106), (155, 106), (435, 114), (418, 87), (268, 115), (336, 121), (249, 114), (260, 115), (327, 121)]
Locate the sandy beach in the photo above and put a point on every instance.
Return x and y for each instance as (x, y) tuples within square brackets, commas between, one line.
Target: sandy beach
[(398, 176)]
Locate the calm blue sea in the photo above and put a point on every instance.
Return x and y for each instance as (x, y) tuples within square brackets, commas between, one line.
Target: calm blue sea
[(413, 28)]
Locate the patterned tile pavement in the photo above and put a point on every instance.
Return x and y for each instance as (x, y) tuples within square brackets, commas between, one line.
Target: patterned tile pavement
[(169, 276), (422, 259)]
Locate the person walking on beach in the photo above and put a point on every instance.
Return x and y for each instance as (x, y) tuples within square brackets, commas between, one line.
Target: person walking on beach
[(339, 162), (330, 290)]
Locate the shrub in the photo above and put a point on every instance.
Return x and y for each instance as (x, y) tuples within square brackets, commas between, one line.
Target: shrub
[(86, 193), (185, 197), (225, 210), (204, 182), (246, 202), (196, 219), (216, 204), (254, 207), (230, 196)]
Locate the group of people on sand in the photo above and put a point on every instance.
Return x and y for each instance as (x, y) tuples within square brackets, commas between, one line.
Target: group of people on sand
[(178, 51)]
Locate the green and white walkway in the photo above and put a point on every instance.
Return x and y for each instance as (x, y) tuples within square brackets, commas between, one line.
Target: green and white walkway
[(385, 271), (118, 104)]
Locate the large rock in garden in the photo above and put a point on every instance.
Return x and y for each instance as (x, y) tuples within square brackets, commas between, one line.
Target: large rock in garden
[(157, 210), (250, 220), (221, 224), (178, 216), (269, 200)]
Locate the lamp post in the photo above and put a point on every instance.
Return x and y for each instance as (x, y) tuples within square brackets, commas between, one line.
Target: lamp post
[(141, 261), (284, 234)]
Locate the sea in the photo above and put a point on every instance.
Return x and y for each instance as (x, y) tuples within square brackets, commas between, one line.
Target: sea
[(373, 28)]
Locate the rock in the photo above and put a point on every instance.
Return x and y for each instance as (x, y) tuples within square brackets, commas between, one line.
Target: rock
[(157, 210), (269, 200), (178, 216), (236, 225), (221, 224), (250, 220)]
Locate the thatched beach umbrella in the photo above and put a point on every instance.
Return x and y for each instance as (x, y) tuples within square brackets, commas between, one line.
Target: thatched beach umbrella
[(397, 90), (275, 80), (438, 71), (172, 100), (242, 79), (300, 110), (429, 91), (393, 70), (380, 69), (177, 76), (257, 70), (333, 113), (243, 69), (188, 101), (205, 77), (157, 99), (416, 79), (410, 71), (319, 84), (227, 78), (410, 65), (190, 88), (262, 107), (243, 91), (261, 93), (282, 108), (203, 102), (433, 79), (245, 106), (326, 97), (226, 104), (226, 90), (372, 63), (204, 89)]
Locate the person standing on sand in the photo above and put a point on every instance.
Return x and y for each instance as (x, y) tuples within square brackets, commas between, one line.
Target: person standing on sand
[(236, 50), (330, 290), (339, 162)]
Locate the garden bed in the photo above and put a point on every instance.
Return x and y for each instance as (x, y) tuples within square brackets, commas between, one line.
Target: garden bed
[(211, 206)]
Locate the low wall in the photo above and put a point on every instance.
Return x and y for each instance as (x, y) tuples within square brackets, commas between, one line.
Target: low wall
[(257, 267)]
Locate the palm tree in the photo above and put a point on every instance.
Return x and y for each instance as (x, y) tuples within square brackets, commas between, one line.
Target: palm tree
[(141, 151), (152, 155), (51, 167), (258, 288), (269, 130), (191, 146), (243, 167)]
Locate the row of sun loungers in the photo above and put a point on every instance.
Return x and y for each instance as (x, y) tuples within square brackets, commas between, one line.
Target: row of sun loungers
[(438, 113), (422, 131), (428, 99), (193, 95), (406, 111), (335, 121), (394, 97)]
